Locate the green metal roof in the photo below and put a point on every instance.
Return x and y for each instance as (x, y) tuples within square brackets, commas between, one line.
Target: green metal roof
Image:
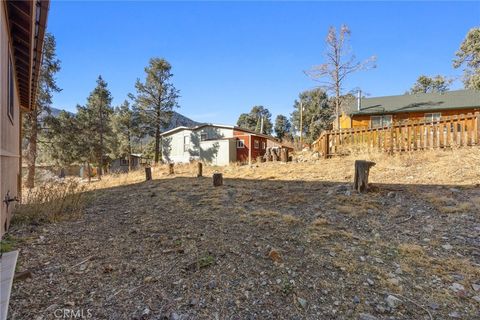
[(459, 99)]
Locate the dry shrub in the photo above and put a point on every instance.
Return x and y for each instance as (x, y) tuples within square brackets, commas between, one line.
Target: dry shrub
[(320, 229), (265, 213), (51, 201), (319, 222), (411, 250), (118, 179), (447, 204), (288, 218), (415, 255)]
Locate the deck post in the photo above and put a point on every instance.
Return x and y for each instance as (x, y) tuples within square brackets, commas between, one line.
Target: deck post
[(325, 146)]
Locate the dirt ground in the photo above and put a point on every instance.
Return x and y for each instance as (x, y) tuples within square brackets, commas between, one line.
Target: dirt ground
[(277, 241)]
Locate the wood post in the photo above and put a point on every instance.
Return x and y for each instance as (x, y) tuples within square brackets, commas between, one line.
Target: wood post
[(170, 168), (148, 173), (199, 169), (325, 146), (284, 154), (274, 155), (362, 169), (250, 146), (268, 155), (217, 179)]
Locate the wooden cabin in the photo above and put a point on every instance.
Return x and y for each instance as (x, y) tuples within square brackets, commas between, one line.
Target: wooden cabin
[(430, 107), (122, 164), (22, 29)]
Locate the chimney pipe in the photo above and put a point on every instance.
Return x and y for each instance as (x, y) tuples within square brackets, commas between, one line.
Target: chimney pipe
[(359, 100)]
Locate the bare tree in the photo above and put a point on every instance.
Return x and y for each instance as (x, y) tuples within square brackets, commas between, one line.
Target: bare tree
[(339, 63)]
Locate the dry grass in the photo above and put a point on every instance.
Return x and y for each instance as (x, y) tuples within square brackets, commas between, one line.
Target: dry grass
[(414, 256), (265, 213), (51, 201), (320, 229), (445, 204), (442, 167), (289, 219), (181, 231), (319, 222)]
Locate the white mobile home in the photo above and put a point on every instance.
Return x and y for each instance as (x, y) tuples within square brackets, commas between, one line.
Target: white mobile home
[(213, 144)]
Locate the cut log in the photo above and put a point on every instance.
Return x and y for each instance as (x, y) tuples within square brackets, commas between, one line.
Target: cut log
[(362, 169), (284, 154), (217, 179), (148, 173), (170, 168), (199, 169), (268, 154), (274, 155)]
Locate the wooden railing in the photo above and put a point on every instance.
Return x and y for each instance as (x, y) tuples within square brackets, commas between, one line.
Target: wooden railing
[(448, 132)]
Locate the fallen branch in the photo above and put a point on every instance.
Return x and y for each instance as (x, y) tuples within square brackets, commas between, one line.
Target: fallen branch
[(113, 295), (81, 262), (403, 221)]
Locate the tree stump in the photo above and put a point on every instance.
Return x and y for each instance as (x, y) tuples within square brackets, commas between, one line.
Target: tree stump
[(274, 155), (284, 154), (268, 154), (362, 169), (259, 159), (170, 168), (148, 173), (217, 179), (199, 169)]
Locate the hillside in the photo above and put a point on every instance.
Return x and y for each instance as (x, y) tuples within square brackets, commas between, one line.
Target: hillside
[(176, 120), (277, 241)]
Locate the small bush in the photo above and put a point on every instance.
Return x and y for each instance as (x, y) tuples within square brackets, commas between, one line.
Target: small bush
[(6, 244), (51, 202), (206, 261)]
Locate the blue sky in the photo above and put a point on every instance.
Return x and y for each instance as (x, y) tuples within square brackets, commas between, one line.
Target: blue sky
[(230, 56)]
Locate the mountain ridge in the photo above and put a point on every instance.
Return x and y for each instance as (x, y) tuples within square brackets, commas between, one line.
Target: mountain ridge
[(176, 120)]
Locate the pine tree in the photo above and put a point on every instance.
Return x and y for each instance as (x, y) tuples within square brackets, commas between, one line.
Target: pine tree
[(95, 122), (64, 139), (469, 56), (32, 125), (318, 111), (253, 120), (155, 100), (126, 130), (437, 84), (282, 126)]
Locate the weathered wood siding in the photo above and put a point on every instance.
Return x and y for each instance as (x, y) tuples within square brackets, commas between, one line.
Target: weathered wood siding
[(363, 121), (243, 153), (9, 131)]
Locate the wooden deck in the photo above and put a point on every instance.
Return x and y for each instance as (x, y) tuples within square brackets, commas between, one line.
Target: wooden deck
[(448, 132)]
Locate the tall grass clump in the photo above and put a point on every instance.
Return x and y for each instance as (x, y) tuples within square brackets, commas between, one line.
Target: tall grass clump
[(52, 201)]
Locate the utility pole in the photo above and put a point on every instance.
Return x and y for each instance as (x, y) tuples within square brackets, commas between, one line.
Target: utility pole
[(301, 123), (261, 125)]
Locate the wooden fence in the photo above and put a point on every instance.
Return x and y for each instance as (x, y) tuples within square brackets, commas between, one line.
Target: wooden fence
[(448, 132)]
